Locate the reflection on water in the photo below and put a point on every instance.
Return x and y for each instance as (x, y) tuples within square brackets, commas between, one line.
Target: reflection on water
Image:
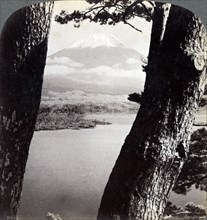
[(67, 170)]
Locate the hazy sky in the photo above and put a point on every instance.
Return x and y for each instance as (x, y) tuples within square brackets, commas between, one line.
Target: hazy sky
[(62, 36)]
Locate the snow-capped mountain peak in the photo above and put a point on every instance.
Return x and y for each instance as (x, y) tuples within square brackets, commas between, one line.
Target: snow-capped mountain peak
[(99, 40)]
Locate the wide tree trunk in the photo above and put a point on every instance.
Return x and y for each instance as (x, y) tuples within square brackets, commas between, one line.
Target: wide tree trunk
[(23, 48), (157, 146)]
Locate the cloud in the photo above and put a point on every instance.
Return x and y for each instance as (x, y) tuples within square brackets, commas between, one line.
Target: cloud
[(64, 61), (133, 61), (58, 70), (100, 74), (112, 72)]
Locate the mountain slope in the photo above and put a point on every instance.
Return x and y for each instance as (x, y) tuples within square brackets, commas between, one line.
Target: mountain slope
[(101, 64), (92, 57), (99, 49), (98, 40)]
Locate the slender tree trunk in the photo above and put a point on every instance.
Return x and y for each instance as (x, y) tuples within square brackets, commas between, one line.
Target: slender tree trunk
[(23, 48), (157, 146)]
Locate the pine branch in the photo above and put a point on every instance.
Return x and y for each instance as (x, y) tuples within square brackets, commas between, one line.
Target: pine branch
[(100, 12), (125, 22), (190, 183)]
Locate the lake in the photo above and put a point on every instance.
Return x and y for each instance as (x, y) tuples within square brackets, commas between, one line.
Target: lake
[(67, 170)]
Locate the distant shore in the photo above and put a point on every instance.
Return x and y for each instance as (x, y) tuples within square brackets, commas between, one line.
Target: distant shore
[(77, 116), (68, 117), (60, 123)]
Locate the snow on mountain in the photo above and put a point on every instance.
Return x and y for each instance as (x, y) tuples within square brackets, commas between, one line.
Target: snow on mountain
[(99, 50), (99, 40)]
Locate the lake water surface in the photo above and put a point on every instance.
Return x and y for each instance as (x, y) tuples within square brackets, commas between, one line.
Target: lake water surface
[(67, 170)]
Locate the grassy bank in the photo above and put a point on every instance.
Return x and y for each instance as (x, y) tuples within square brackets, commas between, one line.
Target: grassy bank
[(68, 116)]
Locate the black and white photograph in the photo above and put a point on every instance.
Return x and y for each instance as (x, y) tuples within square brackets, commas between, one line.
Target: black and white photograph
[(103, 112)]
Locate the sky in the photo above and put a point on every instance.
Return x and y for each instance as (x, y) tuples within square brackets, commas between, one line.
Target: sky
[(62, 36), (64, 72)]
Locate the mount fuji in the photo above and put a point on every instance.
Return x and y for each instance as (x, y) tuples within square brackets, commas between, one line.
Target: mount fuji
[(100, 63), (99, 40)]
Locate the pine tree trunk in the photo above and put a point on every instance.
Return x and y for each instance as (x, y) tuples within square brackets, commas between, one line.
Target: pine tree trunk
[(23, 48), (157, 146)]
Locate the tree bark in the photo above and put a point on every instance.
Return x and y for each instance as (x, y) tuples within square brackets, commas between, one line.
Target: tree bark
[(157, 146), (23, 48)]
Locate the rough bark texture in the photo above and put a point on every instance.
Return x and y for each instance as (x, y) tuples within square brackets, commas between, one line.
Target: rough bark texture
[(23, 48), (157, 145)]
